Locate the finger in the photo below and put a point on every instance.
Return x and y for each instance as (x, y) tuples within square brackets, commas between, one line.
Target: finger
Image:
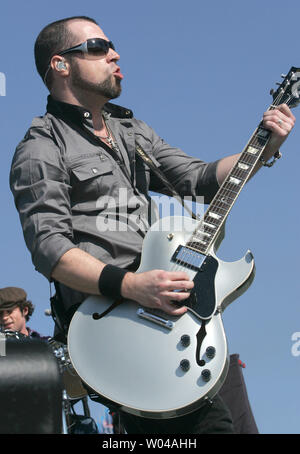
[(175, 296), (279, 117), (174, 310), (276, 129), (179, 285), (177, 276), (278, 123), (277, 114), (279, 128), (286, 110)]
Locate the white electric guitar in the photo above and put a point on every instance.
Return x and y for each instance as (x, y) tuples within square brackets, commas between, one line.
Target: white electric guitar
[(158, 366)]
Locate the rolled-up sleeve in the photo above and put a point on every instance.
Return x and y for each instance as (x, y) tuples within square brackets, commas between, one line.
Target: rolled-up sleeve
[(40, 185)]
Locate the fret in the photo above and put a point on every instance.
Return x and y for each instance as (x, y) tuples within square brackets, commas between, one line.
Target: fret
[(242, 166), (246, 163), (239, 173), (234, 180), (252, 150), (197, 240), (262, 133), (228, 186), (199, 247), (214, 215), (230, 189), (222, 205), (260, 137), (209, 225), (259, 142), (208, 229), (248, 159), (237, 177), (225, 199), (217, 215), (220, 209), (203, 234)]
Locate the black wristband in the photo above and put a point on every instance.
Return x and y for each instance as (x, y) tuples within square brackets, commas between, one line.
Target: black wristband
[(110, 281)]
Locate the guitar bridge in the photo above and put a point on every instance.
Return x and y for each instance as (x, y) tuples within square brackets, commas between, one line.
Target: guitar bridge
[(155, 319)]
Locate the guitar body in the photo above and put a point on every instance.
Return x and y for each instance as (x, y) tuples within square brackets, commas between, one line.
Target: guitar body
[(149, 363)]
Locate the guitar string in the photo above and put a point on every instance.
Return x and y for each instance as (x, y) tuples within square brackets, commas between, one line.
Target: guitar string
[(246, 160), (218, 204), (225, 194), (238, 173)]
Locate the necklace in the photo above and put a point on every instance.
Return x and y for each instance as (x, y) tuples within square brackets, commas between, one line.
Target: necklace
[(109, 138)]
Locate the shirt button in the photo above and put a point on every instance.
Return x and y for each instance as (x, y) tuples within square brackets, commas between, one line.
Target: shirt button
[(130, 133), (94, 170), (86, 114)]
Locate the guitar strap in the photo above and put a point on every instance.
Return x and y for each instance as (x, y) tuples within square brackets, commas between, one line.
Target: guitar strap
[(160, 175)]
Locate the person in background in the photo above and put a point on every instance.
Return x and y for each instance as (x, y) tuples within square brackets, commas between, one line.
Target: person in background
[(15, 311)]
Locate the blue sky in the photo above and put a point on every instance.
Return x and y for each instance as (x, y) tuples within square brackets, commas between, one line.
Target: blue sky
[(200, 74)]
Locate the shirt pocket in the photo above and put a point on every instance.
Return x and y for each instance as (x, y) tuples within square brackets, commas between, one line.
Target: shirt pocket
[(92, 168), (91, 179)]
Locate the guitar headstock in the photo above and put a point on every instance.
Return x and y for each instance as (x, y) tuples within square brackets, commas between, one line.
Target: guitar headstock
[(288, 91)]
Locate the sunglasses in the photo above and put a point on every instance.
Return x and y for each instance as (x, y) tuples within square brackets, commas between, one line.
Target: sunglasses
[(92, 46)]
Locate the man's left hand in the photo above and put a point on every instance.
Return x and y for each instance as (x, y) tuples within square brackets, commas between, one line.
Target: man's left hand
[(280, 121)]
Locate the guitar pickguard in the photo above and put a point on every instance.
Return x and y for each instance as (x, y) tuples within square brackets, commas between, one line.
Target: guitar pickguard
[(203, 298)]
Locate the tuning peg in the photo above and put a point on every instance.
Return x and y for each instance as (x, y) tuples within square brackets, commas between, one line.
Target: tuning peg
[(272, 91), (283, 76)]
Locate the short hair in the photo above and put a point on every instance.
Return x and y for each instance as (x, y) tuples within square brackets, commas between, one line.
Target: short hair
[(54, 38), (25, 304)]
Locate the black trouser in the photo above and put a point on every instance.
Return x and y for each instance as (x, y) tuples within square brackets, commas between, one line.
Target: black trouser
[(211, 418)]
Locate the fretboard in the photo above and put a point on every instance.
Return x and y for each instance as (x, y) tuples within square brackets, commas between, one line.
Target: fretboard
[(209, 227)]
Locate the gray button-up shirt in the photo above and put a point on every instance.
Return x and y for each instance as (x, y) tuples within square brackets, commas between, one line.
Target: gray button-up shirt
[(71, 190)]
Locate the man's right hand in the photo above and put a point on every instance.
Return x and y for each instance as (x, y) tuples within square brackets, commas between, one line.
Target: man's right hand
[(156, 289)]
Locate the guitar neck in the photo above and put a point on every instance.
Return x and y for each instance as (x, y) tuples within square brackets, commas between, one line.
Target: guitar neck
[(208, 229)]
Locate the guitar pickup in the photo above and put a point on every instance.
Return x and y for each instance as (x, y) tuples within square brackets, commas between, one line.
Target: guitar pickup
[(189, 257)]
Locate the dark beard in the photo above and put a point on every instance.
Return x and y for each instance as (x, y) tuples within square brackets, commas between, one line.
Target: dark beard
[(110, 88)]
